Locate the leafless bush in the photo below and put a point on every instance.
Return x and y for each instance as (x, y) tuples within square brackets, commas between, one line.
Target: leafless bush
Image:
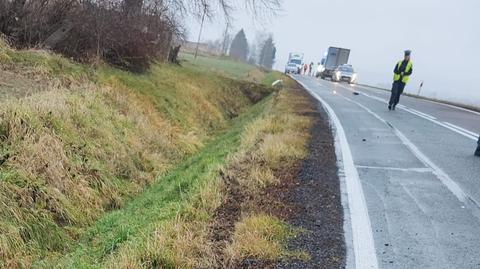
[(126, 33)]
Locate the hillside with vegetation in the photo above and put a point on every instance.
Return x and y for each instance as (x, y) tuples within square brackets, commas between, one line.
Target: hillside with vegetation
[(103, 168), (77, 142)]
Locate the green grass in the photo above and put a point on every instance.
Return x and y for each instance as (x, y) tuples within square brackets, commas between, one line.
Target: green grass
[(52, 65), (179, 93), (162, 202), (223, 65), (100, 137), (273, 76), (234, 69)]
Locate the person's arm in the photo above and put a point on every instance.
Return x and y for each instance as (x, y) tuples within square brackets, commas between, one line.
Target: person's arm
[(396, 69)]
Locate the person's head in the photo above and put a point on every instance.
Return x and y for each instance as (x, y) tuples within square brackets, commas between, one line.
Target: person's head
[(407, 54)]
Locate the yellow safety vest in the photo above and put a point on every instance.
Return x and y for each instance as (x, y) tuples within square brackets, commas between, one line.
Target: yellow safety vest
[(396, 77)]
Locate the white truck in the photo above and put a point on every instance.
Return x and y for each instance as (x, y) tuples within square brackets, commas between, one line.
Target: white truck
[(334, 58), (294, 64)]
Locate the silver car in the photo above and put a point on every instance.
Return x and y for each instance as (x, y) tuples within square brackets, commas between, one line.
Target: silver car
[(345, 73), (291, 68)]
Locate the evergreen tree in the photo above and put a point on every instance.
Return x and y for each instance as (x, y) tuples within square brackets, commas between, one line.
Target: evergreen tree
[(239, 47), (268, 53)]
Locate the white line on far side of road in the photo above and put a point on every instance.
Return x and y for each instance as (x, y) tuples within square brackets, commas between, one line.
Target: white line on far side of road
[(452, 127), (363, 244), (372, 89), (441, 175)]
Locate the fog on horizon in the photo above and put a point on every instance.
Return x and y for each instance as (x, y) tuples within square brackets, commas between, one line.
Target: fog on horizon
[(443, 36)]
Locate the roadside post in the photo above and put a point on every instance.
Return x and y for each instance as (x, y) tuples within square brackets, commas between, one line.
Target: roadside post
[(420, 88)]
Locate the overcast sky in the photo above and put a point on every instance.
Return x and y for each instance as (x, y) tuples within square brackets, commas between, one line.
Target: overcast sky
[(443, 35)]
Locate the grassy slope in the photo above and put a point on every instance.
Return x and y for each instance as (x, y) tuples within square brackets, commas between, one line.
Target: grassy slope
[(271, 140), (170, 196), (85, 141), (168, 225), (226, 66), (222, 65)]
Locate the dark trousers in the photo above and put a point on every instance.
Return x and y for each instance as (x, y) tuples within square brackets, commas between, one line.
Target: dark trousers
[(397, 90), (477, 152)]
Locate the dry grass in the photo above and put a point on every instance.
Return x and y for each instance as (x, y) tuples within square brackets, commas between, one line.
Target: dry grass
[(180, 243), (82, 144), (260, 237), (70, 155), (270, 145), (4, 49), (272, 141), (281, 149)]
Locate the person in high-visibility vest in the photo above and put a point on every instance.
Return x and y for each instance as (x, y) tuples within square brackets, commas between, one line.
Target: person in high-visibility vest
[(401, 74)]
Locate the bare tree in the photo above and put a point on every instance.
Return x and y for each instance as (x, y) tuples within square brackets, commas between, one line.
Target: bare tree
[(226, 38), (197, 7)]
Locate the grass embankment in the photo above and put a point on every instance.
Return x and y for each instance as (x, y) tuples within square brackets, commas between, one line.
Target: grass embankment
[(175, 223), (225, 66), (84, 142)]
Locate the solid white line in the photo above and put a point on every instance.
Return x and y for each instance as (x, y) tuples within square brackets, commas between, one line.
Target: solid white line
[(419, 170), (416, 112), (441, 175), (363, 244), (424, 116), (420, 99), (460, 128)]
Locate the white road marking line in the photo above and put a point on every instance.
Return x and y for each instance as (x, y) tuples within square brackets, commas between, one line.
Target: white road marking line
[(424, 116), (419, 170), (363, 244), (460, 128), (418, 113), (420, 99), (441, 175)]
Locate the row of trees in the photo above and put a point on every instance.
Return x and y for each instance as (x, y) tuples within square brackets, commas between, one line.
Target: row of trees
[(125, 33), (262, 51)]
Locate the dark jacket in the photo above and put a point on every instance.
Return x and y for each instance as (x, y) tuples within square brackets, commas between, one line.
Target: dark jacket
[(403, 66)]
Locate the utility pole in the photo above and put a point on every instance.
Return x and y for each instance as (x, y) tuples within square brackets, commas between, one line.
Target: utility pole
[(201, 28)]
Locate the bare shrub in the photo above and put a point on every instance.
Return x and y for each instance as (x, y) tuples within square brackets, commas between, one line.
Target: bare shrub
[(129, 34)]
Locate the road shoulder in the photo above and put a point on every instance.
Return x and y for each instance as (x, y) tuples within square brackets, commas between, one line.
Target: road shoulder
[(316, 199)]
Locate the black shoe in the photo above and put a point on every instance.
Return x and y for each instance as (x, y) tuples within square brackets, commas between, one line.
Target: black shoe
[(389, 107), (393, 107)]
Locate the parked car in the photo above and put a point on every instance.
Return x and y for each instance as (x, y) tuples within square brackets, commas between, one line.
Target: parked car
[(346, 73), (293, 66)]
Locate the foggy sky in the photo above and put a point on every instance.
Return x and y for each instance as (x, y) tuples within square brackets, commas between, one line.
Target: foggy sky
[(443, 35)]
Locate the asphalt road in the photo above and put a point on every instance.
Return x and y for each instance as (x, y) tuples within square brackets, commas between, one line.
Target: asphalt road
[(411, 183)]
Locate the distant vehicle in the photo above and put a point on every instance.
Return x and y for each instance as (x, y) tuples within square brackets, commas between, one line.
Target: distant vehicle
[(294, 59), (294, 55), (333, 59), (346, 73), (292, 68)]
